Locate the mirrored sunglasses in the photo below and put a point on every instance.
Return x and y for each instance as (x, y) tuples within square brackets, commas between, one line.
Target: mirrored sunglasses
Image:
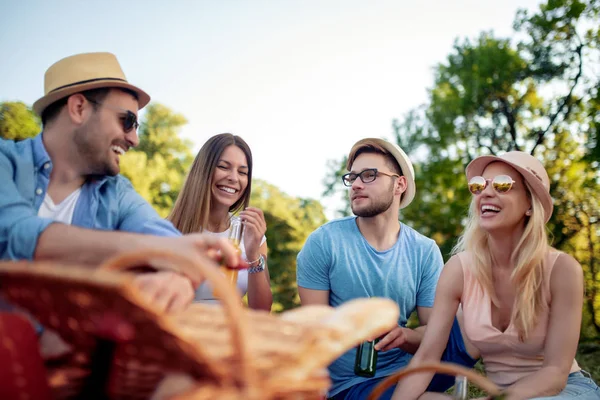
[(500, 183)]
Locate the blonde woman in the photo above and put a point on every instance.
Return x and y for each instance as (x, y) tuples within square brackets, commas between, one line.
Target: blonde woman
[(218, 186), (521, 298)]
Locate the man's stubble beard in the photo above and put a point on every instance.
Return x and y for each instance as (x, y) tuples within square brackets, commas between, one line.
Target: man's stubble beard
[(87, 140), (377, 208)]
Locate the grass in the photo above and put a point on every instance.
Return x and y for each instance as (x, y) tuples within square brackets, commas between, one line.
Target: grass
[(588, 357)]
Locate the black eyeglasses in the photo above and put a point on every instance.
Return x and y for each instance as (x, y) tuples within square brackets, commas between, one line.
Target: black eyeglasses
[(367, 176), (128, 118)]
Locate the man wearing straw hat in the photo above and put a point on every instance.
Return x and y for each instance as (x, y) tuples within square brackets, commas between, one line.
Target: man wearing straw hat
[(62, 198), (373, 254)]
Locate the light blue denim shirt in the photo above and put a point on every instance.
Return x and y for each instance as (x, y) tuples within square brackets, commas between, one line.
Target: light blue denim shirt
[(107, 203)]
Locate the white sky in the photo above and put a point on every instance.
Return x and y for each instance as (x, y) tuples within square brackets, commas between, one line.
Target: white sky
[(300, 81)]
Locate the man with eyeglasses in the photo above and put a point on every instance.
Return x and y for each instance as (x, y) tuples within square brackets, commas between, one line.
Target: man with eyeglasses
[(373, 254), (62, 198)]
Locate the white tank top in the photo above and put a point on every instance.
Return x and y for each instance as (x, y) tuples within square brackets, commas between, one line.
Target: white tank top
[(204, 293)]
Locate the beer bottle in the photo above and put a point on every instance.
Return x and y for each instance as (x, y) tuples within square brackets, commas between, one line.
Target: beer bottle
[(366, 359)]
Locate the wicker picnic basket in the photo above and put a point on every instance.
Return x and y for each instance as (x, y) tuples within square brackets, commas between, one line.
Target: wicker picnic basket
[(121, 347)]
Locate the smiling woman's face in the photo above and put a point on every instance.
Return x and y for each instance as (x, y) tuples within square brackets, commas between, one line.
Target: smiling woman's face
[(230, 177), (502, 210)]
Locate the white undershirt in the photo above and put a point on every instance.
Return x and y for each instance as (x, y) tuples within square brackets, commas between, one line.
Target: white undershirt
[(62, 212)]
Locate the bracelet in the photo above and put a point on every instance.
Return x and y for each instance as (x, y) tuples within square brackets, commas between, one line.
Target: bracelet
[(255, 261), (258, 268)]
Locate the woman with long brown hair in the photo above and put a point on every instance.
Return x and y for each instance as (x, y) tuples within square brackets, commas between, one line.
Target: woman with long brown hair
[(522, 299), (218, 187)]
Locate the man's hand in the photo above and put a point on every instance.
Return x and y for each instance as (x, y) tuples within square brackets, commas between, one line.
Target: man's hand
[(166, 290), (170, 291), (217, 248), (395, 338)]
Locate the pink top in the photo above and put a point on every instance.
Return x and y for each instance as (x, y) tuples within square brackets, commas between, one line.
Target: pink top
[(506, 359)]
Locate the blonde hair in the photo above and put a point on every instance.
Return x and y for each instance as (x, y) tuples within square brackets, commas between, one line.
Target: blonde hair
[(192, 207), (527, 258)]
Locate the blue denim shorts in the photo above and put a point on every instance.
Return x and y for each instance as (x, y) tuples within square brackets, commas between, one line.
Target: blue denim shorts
[(455, 353), (580, 386)]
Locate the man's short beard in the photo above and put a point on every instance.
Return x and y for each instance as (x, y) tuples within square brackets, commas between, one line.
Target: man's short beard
[(375, 209), (89, 151)]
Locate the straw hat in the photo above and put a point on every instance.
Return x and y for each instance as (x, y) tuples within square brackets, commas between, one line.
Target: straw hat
[(528, 166), (81, 72), (402, 159)]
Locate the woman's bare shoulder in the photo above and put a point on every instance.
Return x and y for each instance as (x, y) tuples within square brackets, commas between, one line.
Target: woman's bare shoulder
[(566, 272)]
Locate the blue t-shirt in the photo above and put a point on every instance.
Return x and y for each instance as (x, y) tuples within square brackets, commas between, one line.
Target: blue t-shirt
[(336, 257)]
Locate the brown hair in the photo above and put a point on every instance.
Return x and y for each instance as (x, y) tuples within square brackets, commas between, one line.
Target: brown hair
[(192, 207)]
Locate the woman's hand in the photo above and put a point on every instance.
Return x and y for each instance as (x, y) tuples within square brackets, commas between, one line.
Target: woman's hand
[(255, 228), (259, 285)]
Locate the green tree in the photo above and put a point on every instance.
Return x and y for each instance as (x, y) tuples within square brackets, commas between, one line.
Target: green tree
[(531, 93), (289, 222), (158, 165), (18, 121), (333, 184)]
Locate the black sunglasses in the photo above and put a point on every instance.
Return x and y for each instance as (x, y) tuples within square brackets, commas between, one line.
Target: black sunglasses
[(367, 176), (128, 118)]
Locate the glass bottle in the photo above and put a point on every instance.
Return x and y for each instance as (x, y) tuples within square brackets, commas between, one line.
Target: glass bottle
[(460, 388), (366, 359), (235, 237)]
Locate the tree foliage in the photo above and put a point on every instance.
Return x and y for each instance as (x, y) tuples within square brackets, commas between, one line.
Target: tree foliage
[(18, 121), (537, 93), (289, 222), (158, 165)]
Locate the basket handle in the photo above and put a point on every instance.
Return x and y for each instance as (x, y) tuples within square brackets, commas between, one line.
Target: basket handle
[(199, 269), (444, 368), (158, 260)]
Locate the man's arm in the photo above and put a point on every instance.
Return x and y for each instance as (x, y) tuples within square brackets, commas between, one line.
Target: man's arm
[(26, 236), (139, 227), (73, 245), (312, 271), (312, 296), (169, 291), (20, 226)]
